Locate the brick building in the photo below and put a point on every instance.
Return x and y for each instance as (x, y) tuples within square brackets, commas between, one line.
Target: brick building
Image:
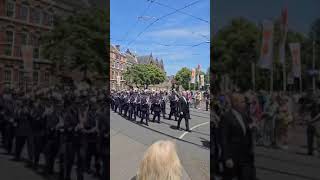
[(119, 62), (21, 23)]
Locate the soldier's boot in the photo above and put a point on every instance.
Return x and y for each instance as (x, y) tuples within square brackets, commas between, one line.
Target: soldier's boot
[(135, 115), (141, 120)]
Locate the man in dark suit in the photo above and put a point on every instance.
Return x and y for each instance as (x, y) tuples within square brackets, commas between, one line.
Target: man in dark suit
[(184, 110), (236, 141)]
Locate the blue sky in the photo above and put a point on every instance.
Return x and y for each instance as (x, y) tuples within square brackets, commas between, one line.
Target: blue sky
[(301, 13), (170, 38)]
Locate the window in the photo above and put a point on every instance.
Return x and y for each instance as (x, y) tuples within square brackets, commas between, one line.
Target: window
[(24, 38), (112, 75), (44, 18), (7, 75), (35, 78), (35, 15), (46, 76), (24, 12), (113, 64), (50, 19), (36, 53), (10, 9), (9, 43), (34, 40), (21, 79)]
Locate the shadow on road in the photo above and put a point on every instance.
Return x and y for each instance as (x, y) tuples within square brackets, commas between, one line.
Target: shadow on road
[(159, 132), (205, 142)]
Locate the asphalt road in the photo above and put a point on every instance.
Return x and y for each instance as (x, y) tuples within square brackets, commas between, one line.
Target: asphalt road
[(291, 164), (129, 140)]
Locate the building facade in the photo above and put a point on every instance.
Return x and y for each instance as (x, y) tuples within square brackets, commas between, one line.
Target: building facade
[(151, 60), (22, 22), (119, 62)]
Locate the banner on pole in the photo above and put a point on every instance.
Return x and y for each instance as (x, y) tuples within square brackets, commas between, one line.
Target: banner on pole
[(27, 56), (284, 30), (296, 61), (202, 80), (267, 46), (193, 76), (198, 74)]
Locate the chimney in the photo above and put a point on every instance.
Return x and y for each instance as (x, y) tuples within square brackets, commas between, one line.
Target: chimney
[(118, 47)]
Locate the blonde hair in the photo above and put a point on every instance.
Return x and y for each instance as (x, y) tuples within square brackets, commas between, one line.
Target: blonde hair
[(160, 162)]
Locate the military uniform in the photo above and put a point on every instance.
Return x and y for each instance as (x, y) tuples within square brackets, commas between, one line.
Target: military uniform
[(91, 140), (156, 101), (173, 106), (163, 105), (38, 130), (132, 106), (23, 131), (144, 107), (52, 136)]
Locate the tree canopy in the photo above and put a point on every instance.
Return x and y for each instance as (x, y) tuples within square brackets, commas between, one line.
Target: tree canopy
[(183, 77), (238, 44), (78, 42), (144, 75)]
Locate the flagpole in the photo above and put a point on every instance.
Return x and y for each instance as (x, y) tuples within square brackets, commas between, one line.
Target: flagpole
[(313, 64), (271, 79), (253, 69)]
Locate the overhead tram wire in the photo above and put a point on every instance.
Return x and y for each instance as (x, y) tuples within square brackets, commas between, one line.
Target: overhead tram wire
[(167, 6), (136, 22), (164, 16)]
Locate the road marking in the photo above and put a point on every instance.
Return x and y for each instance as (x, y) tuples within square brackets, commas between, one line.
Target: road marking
[(192, 129)]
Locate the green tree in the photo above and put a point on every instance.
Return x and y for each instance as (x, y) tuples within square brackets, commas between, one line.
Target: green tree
[(78, 42), (183, 77), (239, 43), (144, 75), (236, 46)]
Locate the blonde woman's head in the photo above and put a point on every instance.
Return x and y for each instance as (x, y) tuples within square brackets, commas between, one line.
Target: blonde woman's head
[(160, 162)]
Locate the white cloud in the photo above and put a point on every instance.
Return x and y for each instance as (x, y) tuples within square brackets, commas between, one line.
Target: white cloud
[(191, 33)]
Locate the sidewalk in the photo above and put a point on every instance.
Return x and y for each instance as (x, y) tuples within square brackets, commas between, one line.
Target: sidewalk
[(125, 155)]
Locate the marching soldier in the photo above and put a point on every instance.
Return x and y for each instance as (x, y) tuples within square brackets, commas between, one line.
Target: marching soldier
[(126, 104), (38, 130), (9, 114), (51, 116), (156, 101), (173, 105), (122, 98), (145, 108), (24, 131), (117, 102), (132, 106), (163, 104), (91, 138)]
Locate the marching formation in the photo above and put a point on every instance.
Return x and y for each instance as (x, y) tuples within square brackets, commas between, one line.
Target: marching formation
[(137, 103), (60, 125)]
